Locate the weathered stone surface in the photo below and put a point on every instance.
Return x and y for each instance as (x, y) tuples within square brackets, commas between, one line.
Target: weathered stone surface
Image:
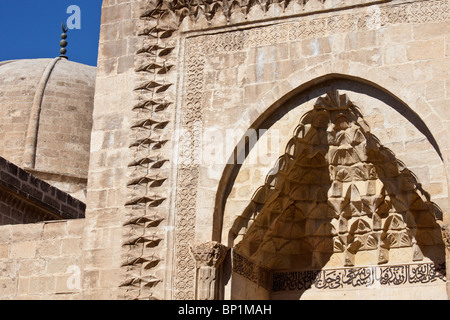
[(40, 260), (211, 125), (47, 119)]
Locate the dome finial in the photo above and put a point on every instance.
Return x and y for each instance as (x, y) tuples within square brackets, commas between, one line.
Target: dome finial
[(63, 43)]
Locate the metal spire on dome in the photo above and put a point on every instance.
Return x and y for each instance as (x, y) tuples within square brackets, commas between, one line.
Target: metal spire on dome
[(63, 43)]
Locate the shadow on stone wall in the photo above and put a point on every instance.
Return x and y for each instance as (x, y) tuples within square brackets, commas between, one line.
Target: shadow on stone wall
[(336, 191), (299, 96)]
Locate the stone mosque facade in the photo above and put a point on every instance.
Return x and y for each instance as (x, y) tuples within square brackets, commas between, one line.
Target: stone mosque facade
[(233, 150)]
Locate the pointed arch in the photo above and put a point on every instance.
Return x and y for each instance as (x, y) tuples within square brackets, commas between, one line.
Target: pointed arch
[(305, 92), (300, 223)]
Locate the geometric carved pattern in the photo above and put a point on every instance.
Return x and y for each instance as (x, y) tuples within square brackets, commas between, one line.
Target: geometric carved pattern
[(143, 241), (210, 9), (313, 26), (337, 190), (188, 174)]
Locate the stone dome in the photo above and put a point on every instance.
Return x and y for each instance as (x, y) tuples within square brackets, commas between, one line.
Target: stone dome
[(46, 110)]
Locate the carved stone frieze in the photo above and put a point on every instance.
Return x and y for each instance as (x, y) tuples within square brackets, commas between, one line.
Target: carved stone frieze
[(314, 26), (363, 277), (341, 278), (208, 9), (251, 271), (227, 11)]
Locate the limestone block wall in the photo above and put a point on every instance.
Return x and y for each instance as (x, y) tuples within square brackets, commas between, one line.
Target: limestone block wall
[(46, 111), (41, 261), (110, 153)]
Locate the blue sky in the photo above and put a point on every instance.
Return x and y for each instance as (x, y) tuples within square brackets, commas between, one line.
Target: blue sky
[(32, 29)]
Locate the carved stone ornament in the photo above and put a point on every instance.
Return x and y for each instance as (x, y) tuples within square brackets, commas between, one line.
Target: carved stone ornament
[(143, 251), (446, 236), (341, 278), (209, 254), (208, 257), (363, 277), (337, 191)]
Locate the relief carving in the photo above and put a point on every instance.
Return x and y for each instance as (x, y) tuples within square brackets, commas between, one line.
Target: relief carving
[(208, 9), (208, 257), (446, 236), (364, 277), (156, 63), (337, 191), (226, 11)]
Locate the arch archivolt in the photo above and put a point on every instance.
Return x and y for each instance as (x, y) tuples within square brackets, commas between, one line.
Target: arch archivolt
[(336, 198), (391, 120), (411, 113)]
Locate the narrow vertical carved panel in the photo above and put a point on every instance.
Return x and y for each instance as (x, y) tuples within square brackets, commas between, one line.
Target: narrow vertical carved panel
[(143, 240), (188, 171), (208, 257)]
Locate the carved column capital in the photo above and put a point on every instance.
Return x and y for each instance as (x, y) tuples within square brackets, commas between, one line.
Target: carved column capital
[(208, 258), (209, 254)]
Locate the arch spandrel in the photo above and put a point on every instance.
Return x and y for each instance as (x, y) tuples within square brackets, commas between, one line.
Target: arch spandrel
[(337, 198)]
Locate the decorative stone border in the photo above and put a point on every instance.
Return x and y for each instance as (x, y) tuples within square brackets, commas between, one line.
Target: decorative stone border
[(351, 278), (343, 278)]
